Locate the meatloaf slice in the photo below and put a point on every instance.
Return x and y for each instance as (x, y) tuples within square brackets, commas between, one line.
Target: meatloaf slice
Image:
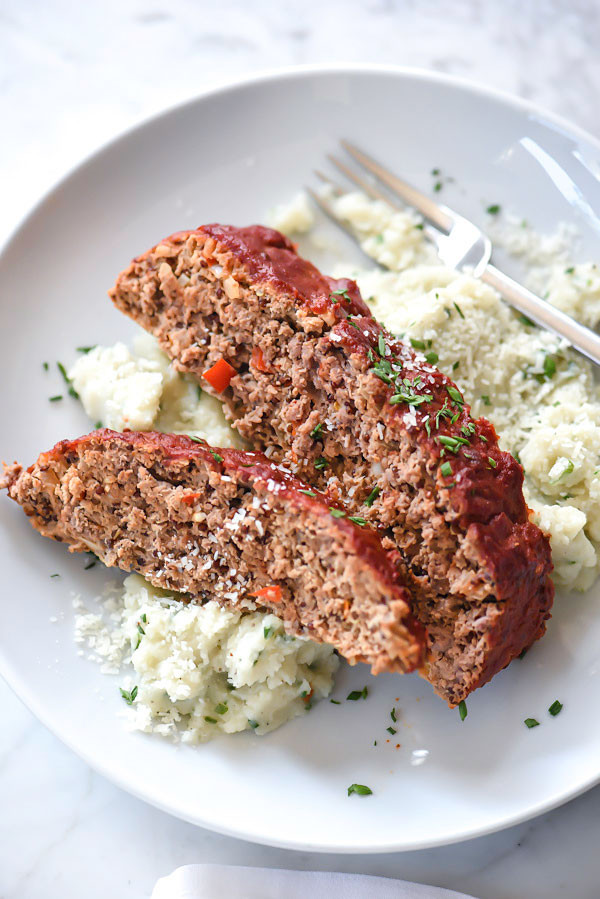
[(229, 525), (319, 384)]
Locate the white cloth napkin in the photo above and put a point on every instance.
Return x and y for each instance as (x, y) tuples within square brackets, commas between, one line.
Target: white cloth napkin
[(227, 882)]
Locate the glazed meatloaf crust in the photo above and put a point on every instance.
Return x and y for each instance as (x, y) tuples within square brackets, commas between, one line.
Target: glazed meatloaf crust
[(228, 525), (307, 374)]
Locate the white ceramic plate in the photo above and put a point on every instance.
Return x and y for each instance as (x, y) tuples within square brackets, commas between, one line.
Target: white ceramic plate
[(227, 157)]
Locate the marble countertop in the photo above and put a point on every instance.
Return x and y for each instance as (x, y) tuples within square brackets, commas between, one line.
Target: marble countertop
[(70, 78)]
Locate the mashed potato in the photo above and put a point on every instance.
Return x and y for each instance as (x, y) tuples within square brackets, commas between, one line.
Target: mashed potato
[(200, 670), (540, 395)]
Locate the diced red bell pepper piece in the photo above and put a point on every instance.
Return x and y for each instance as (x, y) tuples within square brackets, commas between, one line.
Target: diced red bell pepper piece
[(219, 375), (270, 594)]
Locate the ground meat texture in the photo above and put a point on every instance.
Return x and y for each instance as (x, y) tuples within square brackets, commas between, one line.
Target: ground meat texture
[(226, 525), (320, 385)]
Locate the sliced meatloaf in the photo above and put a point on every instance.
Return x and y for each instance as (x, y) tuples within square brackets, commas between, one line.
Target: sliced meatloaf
[(307, 374), (228, 525)]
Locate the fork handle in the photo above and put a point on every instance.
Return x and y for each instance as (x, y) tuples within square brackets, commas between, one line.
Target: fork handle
[(544, 314)]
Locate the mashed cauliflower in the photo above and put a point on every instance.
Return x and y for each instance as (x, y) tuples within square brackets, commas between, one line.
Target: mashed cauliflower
[(203, 669), (539, 394)]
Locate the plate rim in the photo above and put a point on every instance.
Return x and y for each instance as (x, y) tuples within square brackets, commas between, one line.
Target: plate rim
[(278, 73), (267, 76)]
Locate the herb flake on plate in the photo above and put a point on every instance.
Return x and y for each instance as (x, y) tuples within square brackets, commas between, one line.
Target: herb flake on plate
[(360, 790)]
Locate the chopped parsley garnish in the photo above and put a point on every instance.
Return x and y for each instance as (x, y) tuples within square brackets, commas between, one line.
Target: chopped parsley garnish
[(555, 708), (462, 710), (317, 431), (55, 399), (337, 513), (63, 372), (199, 391), (202, 440), (455, 394), (405, 393), (452, 443), (216, 456), (493, 463), (494, 209), (55, 575), (210, 720), (446, 469), (372, 497), (253, 724), (360, 790), (357, 520), (531, 722), (486, 400), (86, 349), (549, 366), (141, 629), (427, 425), (570, 270), (455, 365), (129, 695), (431, 357), (437, 186), (71, 391), (339, 293), (98, 425), (321, 463), (358, 694), (458, 309), (393, 715), (45, 366), (417, 344), (222, 708), (391, 730), (267, 631), (335, 701), (383, 370), (435, 171), (523, 653), (381, 346), (444, 412), (308, 493), (526, 321)]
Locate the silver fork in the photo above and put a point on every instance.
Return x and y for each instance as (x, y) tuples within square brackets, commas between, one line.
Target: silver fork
[(459, 243)]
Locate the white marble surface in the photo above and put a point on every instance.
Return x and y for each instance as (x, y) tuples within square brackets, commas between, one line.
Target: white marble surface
[(72, 75)]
